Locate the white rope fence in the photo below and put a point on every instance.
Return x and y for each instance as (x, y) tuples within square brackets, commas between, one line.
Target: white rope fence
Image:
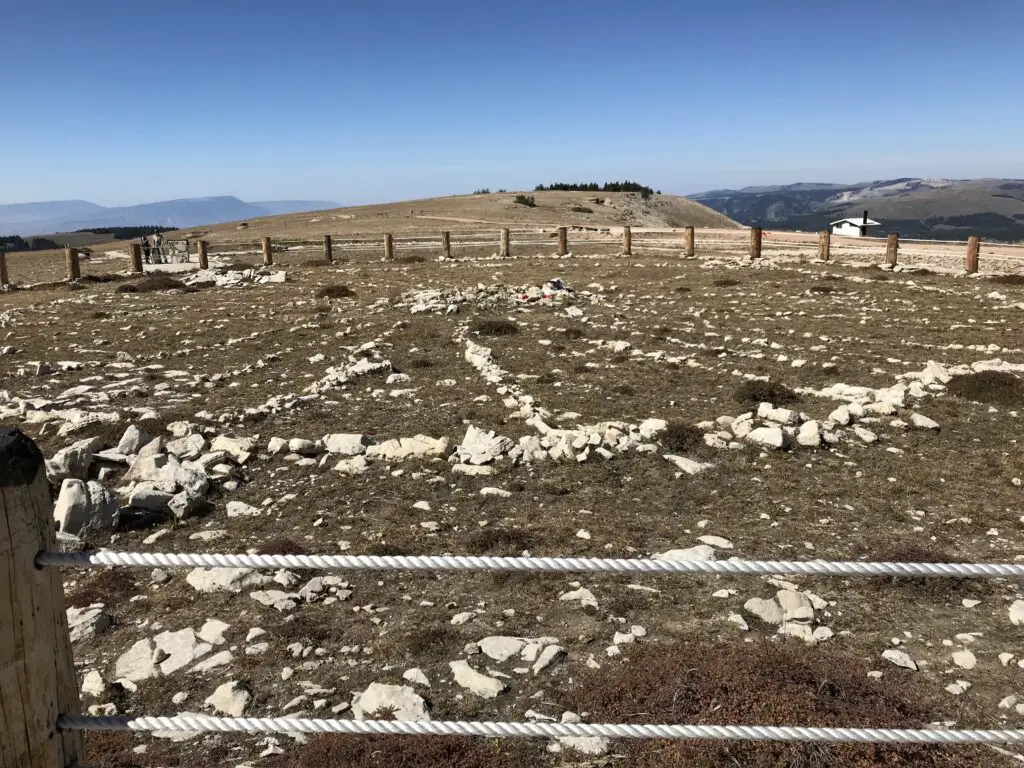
[(536, 564), (201, 723)]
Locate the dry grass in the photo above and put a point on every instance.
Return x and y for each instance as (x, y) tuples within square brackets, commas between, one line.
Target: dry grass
[(111, 586), (154, 284), (726, 282), (1008, 279), (768, 683), (680, 438), (335, 292), (992, 387), (752, 393), (405, 752), (923, 586), (494, 326), (507, 542)]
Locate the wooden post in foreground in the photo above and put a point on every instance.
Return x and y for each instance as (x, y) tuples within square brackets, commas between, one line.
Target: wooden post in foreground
[(4, 278), (37, 671), (328, 249), (504, 251), (627, 241), (74, 267), (563, 241), (824, 245), (756, 234), (204, 260), (689, 248), (268, 254), (892, 247), (136, 251), (973, 249), (446, 245), (389, 246)]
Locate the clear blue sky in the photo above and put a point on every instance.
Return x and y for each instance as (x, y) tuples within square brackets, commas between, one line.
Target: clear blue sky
[(124, 102)]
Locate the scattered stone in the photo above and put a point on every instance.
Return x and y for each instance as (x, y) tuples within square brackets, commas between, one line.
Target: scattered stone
[(400, 701), (476, 682), (899, 658), (230, 699)]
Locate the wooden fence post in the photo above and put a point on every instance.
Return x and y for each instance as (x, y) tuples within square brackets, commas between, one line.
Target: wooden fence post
[(446, 245), (37, 671), (689, 248), (756, 234), (268, 253), (328, 249), (824, 245), (627, 241), (973, 249), (4, 278), (504, 251), (136, 252), (73, 265), (389, 246), (892, 247), (563, 241), (204, 260)]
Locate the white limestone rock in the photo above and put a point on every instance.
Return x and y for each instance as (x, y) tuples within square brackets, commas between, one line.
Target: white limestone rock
[(230, 699), (476, 682), (401, 701)]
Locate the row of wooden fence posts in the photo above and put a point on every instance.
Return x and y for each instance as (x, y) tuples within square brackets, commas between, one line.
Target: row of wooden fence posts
[(892, 245)]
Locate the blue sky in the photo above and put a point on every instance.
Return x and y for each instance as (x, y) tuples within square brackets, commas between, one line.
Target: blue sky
[(124, 102)]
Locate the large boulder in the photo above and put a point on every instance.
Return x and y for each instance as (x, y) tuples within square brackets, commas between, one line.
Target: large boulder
[(84, 507), (400, 701), (167, 473), (346, 444), (132, 441), (402, 448), (75, 461)]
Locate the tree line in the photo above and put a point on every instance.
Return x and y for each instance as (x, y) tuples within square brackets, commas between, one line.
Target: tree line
[(126, 233), (608, 186)]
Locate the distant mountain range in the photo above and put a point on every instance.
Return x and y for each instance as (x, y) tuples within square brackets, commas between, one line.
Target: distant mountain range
[(941, 209), (70, 215)]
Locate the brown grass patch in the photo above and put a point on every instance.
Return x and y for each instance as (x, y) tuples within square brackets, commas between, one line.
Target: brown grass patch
[(335, 292), (768, 683), (410, 259), (679, 437), (494, 326), (507, 542), (726, 282), (412, 752), (110, 586), (155, 284), (572, 334), (1008, 279), (282, 545), (931, 587), (755, 392), (992, 387)]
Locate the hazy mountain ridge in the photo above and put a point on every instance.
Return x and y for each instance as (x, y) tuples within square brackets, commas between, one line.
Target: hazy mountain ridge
[(69, 215), (927, 208)]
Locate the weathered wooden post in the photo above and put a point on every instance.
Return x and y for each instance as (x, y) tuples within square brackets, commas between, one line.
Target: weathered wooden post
[(756, 235), (627, 241), (504, 251), (689, 248), (136, 253), (4, 278), (973, 249), (563, 241), (71, 259), (268, 254), (824, 245), (389, 246), (204, 260), (892, 247), (37, 671), (446, 245), (328, 249)]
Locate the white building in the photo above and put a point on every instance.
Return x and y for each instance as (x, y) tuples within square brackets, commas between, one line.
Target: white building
[(853, 227)]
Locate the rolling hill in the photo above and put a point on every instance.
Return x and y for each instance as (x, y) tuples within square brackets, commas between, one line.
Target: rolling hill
[(70, 215), (942, 209)]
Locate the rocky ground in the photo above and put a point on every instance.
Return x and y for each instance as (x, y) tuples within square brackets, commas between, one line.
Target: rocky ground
[(592, 406)]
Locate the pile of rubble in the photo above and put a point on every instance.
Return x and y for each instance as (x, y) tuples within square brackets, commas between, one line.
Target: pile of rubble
[(160, 478), (224, 277)]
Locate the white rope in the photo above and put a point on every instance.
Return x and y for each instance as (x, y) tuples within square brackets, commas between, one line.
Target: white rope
[(201, 723), (546, 564)]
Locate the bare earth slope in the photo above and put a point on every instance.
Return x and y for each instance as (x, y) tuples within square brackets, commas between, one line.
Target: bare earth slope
[(471, 211)]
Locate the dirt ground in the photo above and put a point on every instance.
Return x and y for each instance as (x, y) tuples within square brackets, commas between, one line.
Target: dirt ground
[(651, 336)]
